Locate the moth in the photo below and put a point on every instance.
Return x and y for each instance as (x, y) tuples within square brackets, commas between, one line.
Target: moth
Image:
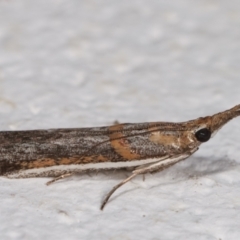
[(144, 147)]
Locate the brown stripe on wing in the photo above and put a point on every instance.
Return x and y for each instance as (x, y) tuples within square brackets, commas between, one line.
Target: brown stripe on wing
[(48, 162), (6, 168), (120, 143)]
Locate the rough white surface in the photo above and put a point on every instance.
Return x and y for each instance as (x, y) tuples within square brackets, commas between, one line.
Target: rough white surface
[(67, 63)]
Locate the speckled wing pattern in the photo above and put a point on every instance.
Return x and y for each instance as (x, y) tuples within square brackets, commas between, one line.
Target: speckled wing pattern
[(121, 143)]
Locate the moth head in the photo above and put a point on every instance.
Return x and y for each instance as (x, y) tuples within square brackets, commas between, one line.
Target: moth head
[(207, 127)]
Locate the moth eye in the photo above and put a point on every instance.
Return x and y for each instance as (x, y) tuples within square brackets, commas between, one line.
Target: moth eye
[(203, 135)]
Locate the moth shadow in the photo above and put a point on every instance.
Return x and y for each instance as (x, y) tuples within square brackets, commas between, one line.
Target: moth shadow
[(201, 166), (95, 175)]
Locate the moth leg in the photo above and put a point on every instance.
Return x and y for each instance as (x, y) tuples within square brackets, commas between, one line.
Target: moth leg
[(140, 171), (148, 168), (58, 178), (163, 164), (115, 188)]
